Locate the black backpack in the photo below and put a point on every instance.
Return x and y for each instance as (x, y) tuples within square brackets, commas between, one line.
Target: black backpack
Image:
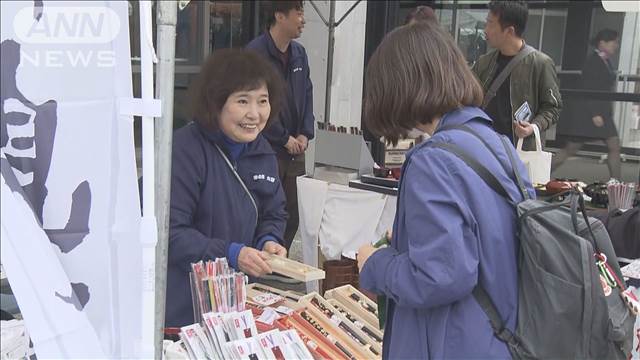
[(570, 289)]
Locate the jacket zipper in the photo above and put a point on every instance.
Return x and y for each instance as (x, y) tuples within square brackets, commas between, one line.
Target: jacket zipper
[(554, 98), (234, 169)]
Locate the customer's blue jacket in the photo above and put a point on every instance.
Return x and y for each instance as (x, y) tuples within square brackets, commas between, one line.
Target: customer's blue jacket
[(451, 231), (296, 116), (211, 213)]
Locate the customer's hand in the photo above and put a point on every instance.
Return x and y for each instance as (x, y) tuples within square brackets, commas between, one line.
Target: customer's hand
[(293, 146), (364, 253), (252, 262), (598, 121), (523, 129), (273, 247), (304, 141)]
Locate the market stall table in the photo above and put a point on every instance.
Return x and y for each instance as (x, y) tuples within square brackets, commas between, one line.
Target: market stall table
[(340, 219)]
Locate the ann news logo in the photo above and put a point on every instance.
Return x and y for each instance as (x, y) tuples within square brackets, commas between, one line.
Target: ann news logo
[(79, 35)]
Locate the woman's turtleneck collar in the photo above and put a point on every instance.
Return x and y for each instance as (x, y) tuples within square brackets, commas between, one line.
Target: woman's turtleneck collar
[(234, 148)]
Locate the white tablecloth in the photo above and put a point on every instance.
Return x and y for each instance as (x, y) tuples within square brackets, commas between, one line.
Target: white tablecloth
[(340, 219)]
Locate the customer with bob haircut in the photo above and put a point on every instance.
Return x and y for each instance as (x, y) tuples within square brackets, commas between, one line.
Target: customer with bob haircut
[(226, 197), (451, 232)]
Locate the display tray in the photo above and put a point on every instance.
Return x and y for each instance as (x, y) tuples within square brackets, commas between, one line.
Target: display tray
[(339, 328), (375, 180), (357, 184), (356, 303)]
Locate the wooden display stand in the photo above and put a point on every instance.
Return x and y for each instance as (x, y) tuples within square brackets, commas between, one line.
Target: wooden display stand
[(356, 303), (294, 269), (340, 327)]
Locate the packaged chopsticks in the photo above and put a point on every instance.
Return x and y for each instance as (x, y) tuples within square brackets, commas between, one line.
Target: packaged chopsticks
[(620, 195), (216, 287)]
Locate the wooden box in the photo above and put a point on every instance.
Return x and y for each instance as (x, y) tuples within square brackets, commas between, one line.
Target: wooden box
[(294, 269), (345, 329), (373, 333), (357, 303)]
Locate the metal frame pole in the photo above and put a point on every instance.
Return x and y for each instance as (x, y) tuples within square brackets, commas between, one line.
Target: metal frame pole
[(331, 26), (330, 46), (167, 15)]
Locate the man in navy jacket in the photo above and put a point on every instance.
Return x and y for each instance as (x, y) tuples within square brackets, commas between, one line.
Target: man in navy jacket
[(290, 133)]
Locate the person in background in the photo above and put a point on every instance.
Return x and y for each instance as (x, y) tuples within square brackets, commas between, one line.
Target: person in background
[(226, 197), (531, 90), (291, 131), (421, 13), (594, 118), (451, 231)]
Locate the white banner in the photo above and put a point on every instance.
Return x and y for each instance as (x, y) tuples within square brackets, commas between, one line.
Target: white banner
[(70, 203)]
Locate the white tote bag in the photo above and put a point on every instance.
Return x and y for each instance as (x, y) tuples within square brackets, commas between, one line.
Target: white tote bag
[(537, 162)]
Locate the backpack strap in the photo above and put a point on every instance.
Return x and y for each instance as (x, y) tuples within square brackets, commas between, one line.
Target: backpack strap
[(500, 331), (518, 179), (482, 171), (479, 293), (498, 80), (577, 204)]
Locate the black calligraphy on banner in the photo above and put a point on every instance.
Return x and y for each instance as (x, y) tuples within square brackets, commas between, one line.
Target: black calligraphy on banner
[(27, 134)]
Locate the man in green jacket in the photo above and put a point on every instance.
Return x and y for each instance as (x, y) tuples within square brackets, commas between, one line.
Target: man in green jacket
[(530, 94)]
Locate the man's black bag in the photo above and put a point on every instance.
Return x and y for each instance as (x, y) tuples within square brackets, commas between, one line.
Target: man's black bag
[(624, 229), (570, 287)]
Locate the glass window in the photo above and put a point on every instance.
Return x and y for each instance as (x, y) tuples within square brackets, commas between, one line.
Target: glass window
[(620, 69), (532, 30), (263, 16), (182, 101), (225, 24), (553, 33), (601, 102), (189, 34), (470, 33), (445, 17)]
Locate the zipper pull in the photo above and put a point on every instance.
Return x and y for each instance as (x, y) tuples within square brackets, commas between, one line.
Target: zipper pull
[(552, 96)]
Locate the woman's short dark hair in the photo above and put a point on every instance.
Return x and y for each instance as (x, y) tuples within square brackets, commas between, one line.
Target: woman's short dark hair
[(511, 13), (416, 74), (226, 71), (281, 6), (604, 35), (421, 13)]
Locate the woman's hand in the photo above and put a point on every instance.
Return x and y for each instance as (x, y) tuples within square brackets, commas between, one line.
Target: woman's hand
[(364, 253), (598, 121), (252, 262), (273, 247)]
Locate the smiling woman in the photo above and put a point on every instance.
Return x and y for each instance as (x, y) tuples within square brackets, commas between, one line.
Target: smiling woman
[(245, 114), (230, 71), (226, 197)]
